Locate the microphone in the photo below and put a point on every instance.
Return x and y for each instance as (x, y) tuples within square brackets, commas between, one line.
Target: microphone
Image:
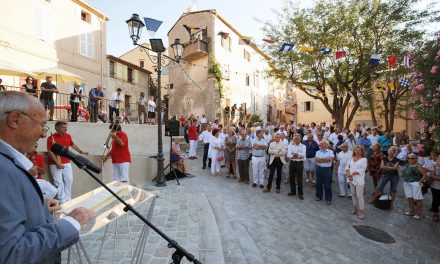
[(79, 160)]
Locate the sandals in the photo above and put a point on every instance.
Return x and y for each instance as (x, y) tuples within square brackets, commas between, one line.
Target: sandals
[(417, 217), (409, 213), (353, 211), (361, 217)]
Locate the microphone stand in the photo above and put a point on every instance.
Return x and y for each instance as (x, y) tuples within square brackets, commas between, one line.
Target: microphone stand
[(180, 251)]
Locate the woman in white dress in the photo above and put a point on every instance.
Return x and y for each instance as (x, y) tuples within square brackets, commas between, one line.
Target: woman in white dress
[(355, 172), (216, 147)]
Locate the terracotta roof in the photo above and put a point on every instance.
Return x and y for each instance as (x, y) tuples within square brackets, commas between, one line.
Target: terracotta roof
[(131, 65), (92, 9)]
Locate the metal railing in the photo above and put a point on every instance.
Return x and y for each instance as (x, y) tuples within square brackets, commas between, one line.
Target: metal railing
[(62, 106)]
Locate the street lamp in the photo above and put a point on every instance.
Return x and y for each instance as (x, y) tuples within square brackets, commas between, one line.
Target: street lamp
[(135, 26)]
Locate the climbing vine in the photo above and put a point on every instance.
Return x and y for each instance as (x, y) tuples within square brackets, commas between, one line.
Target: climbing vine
[(216, 70)]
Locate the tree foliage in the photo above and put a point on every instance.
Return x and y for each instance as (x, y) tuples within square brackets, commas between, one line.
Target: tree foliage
[(427, 104), (361, 28)]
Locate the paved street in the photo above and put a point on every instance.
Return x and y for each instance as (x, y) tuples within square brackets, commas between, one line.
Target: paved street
[(223, 221)]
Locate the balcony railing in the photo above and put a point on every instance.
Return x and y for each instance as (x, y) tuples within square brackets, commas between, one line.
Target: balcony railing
[(62, 107), (195, 50)]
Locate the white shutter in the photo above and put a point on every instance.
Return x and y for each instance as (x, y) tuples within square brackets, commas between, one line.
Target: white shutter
[(302, 106), (89, 45), (311, 106), (83, 44)]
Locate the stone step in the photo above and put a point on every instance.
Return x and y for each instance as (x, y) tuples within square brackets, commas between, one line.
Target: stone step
[(238, 245), (210, 244)]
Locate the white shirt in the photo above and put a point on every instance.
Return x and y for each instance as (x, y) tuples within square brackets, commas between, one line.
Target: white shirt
[(313, 130), (327, 134), (373, 139), (223, 136), (351, 143), (299, 149), (267, 137), (359, 166), (343, 158), (203, 120), (115, 97), (324, 154), (151, 106), (205, 136), (80, 91), (141, 101), (277, 149), (215, 142), (333, 138)]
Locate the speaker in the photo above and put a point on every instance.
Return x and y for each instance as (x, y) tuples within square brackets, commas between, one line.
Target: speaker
[(172, 128)]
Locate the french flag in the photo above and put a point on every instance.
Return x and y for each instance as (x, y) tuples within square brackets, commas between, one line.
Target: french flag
[(407, 61)]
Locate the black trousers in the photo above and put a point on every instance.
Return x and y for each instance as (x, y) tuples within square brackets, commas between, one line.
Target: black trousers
[(275, 165), (205, 155), (296, 176), (243, 169), (435, 200), (74, 110), (111, 111), (93, 110)]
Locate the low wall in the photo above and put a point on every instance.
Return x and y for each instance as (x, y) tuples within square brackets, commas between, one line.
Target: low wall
[(142, 141)]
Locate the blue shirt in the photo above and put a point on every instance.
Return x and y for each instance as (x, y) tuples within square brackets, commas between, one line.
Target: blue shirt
[(365, 142), (243, 154), (94, 92), (325, 154), (259, 152), (385, 142), (311, 148)]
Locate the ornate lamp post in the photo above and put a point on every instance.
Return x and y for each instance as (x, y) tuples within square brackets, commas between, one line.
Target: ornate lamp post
[(135, 26)]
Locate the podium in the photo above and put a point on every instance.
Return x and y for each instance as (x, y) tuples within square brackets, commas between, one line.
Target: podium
[(109, 211)]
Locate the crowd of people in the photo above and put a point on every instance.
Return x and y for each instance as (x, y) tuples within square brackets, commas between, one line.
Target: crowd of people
[(320, 151)]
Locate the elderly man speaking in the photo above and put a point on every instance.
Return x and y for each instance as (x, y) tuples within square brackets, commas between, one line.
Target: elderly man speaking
[(28, 234)]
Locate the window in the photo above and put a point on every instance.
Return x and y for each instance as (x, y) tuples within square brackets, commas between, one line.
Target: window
[(246, 55), (171, 85), (86, 44), (142, 64), (307, 106), (42, 22), (85, 16), (127, 100), (112, 69), (130, 75), (226, 43), (247, 80)]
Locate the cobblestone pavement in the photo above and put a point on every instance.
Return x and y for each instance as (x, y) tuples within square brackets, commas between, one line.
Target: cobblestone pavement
[(222, 221)]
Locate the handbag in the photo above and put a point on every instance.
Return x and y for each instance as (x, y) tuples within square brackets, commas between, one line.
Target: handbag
[(220, 156)]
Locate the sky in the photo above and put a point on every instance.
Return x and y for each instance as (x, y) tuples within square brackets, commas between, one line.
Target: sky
[(242, 14)]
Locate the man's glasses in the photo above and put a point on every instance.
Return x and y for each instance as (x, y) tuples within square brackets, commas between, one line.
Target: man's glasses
[(43, 126), (411, 158)]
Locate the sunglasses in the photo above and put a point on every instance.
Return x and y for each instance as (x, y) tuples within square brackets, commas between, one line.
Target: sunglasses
[(411, 158)]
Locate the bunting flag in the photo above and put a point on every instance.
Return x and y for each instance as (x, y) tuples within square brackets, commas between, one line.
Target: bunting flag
[(407, 62), (152, 26), (325, 50), (392, 61), (286, 47), (245, 40), (305, 49), (189, 28), (269, 41), (391, 86), (340, 55), (404, 82), (224, 35), (374, 59)]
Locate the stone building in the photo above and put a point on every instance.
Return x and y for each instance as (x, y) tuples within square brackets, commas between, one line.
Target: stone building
[(212, 44), (69, 34)]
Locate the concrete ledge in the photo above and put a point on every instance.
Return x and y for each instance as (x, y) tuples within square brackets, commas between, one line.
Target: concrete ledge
[(142, 140)]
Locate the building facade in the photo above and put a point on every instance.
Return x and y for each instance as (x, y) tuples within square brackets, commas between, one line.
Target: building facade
[(131, 78), (213, 45), (146, 61), (40, 34)]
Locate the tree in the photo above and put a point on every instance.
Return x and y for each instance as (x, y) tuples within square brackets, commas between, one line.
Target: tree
[(361, 28), (427, 105)]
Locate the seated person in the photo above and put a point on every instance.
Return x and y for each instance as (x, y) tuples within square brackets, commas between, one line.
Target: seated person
[(177, 157), (102, 115), (126, 115), (49, 191)]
